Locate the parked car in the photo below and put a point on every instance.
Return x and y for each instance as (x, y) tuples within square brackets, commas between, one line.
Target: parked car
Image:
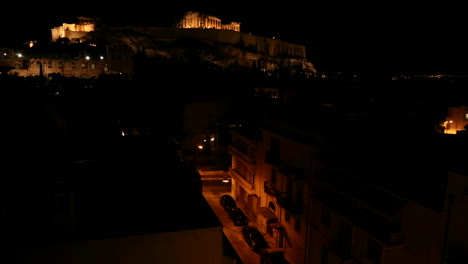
[(238, 217), (254, 238), (228, 202)]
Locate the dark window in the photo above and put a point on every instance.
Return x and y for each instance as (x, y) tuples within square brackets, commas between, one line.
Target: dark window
[(325, 217), (299, 191), (273, 175), (272, 206), (324, 256), (287, 217), (345, 237), (289, 190), (374, 251), (60, 202), (297, 225), (273, 154), (275, 145)]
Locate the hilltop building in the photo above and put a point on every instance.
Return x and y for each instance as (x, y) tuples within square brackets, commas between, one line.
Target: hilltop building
[(194, 19), (87, 50), (75, 32)]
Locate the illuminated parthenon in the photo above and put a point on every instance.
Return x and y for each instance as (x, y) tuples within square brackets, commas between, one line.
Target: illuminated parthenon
[(194, 19)]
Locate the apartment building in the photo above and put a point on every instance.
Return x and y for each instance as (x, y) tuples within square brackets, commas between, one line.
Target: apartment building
[(456, 120), (333, 197), (246, 186)]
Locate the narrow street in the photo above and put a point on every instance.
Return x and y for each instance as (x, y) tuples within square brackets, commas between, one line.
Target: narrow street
[(232, 232), (213, 189)]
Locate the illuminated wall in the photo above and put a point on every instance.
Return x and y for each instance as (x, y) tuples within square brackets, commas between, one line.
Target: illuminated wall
[(73, 31), (456, 120), (8, 58), (116, 59)]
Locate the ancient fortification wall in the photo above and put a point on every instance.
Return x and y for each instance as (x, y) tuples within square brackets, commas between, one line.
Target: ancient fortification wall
[(72, 31), (268, 46)]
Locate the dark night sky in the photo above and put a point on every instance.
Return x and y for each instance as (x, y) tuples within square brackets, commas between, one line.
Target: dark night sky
[(343, 36)]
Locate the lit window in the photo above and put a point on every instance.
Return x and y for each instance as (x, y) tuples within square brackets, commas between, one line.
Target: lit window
[(466, 116)]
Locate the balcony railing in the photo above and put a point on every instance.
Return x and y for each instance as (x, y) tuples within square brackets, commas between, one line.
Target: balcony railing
[(248, 158), (270, 189), (248, 184), (291, 172), (387, 232), (288, 204), (281, 200)]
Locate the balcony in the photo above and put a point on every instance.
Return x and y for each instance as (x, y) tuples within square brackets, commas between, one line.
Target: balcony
[(388, 233), (235, 152), (290, 171), (270, 189), (281, 200), (288, 204), (247, 184)]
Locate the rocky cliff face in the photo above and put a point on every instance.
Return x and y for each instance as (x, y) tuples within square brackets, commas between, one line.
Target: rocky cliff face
[(194, 50)]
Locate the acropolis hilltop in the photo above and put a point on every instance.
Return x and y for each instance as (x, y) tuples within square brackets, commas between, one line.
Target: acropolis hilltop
[(191, 19)]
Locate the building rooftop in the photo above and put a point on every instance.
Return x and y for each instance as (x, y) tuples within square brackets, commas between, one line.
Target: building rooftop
[(118, 187)]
